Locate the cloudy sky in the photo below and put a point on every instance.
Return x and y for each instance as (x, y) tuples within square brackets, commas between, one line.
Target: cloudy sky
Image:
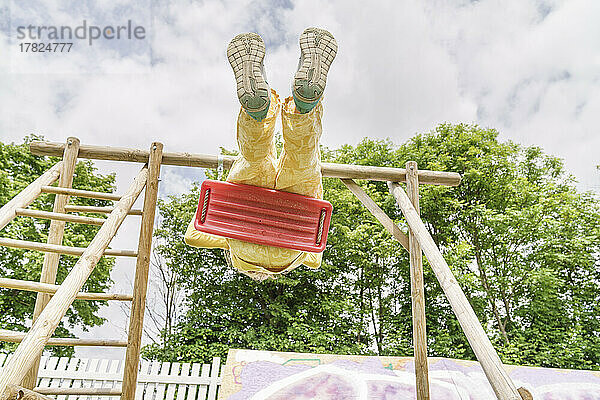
[(529, 68)]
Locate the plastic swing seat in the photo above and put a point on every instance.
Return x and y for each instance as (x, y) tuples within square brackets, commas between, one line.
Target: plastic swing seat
[(263, 216)]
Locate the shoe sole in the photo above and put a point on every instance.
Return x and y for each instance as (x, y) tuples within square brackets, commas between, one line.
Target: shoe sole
[(318, 48), (246, 53)]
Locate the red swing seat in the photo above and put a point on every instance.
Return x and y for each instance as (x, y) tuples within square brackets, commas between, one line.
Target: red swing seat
[(263, 216)]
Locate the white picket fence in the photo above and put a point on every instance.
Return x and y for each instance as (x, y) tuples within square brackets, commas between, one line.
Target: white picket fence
[(156, 380)]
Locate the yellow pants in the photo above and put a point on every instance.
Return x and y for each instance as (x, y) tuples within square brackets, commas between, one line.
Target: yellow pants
[(298, 170)]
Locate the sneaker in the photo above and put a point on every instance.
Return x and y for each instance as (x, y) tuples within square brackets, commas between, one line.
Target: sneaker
[(317, 51), (246, 53)]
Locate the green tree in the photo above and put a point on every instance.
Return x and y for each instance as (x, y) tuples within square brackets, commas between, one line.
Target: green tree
[(522, 241), (18, 168)]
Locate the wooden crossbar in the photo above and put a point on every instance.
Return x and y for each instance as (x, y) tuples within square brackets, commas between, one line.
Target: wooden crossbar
[(57, 391), (51, 289), (97, 210), (17, 337), (55, 248), (24, 212), (331, 170), (81, 193)]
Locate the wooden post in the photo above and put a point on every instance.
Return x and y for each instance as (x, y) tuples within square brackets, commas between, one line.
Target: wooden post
[(33, 344), (55, 236), (417, 291), (140, 286), (28, 195), (501, 383)]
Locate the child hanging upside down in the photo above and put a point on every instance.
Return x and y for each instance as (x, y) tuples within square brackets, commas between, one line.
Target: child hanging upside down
[(298, 170)]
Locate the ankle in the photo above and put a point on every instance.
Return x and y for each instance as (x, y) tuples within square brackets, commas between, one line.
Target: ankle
[(303, 107), (259, 115)]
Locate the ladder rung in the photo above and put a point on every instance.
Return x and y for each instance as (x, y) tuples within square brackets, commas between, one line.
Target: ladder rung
[(98, 210), (55, 248), (60, 217), (49, 288), (81, 193), (17, 337), (78, 391)]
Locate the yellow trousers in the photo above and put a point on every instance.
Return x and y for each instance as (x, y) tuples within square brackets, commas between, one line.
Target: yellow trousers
[(298, 170)]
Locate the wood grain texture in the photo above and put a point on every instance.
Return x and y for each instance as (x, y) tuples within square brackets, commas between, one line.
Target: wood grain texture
[(18, 337), (97, 210), (55, 248), (28, 195), (501, 383), (331, 170), (55, 216), (43, 328), (140, 285), (417, 291), (51, 289), (377, 212), (81, 193)]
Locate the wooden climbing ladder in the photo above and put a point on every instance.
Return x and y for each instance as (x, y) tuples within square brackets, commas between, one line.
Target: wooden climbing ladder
[(20, 375)]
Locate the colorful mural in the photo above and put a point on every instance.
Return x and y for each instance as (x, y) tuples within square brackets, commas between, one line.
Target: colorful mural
[(262, 375)]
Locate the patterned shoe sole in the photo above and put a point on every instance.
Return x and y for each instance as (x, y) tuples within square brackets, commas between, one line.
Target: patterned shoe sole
[(317, 51), (246, 53)]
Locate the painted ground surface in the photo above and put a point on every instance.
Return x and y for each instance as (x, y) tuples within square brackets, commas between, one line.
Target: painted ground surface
[(254, 375)]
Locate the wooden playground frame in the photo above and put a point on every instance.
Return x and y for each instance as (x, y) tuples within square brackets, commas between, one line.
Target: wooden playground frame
[(19, 377)]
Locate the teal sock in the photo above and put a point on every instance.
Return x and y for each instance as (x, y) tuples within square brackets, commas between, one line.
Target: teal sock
[(304, 107)]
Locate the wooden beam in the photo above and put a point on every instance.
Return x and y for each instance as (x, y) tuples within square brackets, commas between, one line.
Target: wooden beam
[(140, 286), (97, 210), (28, 195), (51, 289), (417, 292), (503, 386), (54, 216), (377, 212), (81, 193), (18, 337), (14, 392), (33, 344), (54, 248), (55, 237), (345, 171), (58, 391)]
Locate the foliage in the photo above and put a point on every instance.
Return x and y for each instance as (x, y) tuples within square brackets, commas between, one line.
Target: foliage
[(18, 168), (522, 241)]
